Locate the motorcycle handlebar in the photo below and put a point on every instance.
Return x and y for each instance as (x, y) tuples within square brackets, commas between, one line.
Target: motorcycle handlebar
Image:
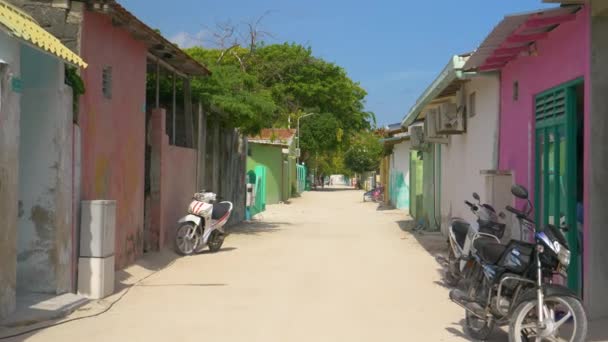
[(471, 205), (518, 213)]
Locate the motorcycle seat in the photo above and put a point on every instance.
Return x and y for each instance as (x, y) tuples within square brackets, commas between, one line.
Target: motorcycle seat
[(219, 210), (489, 250), (460, 228)]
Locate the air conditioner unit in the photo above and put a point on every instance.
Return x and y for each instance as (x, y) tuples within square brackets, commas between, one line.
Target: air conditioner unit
[(416, 137), (451, 118), (431, 125)]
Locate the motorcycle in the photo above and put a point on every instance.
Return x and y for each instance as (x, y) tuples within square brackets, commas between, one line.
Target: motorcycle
[(513, 285), (462, 234), (203, 225)]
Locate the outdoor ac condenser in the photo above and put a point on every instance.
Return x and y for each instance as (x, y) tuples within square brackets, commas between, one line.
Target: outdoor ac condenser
[(96, 262)]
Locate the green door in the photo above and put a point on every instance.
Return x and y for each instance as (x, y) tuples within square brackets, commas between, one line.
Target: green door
[(555, 185), (416, 185)]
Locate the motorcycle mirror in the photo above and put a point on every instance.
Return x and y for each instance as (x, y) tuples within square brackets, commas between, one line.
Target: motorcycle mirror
[(476, 196), (519, 191)]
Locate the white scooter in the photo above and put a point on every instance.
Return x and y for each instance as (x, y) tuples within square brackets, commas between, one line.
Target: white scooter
[(462, 234), (203, 226)]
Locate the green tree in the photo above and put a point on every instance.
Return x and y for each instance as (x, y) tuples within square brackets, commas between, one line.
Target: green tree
[(365, 153)]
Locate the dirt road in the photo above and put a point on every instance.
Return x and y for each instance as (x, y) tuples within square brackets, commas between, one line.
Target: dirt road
[(326, 267)]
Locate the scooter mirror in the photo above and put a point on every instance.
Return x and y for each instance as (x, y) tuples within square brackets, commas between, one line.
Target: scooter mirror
[(519, 191), (476, 196)]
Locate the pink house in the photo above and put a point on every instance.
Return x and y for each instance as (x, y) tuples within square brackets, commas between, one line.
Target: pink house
[(125, 147), (544, 61)]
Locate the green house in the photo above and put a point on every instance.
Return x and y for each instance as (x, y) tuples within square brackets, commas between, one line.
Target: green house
[(275, 150)]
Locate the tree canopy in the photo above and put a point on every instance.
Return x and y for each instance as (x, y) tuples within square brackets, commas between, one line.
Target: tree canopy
[(274, 85)]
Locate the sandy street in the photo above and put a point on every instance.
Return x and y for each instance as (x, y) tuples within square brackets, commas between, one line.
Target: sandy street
[(326, 267)]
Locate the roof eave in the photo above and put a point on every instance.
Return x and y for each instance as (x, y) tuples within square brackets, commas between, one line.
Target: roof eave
[(451, 72)]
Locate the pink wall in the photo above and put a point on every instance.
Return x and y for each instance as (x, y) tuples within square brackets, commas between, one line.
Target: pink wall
[(173, 182), (179, 184), (562, 57), (113, 143)]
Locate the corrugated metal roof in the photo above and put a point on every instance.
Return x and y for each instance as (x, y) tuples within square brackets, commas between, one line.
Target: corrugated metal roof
[(24, 27), (514, 34), (158, 45), (450, 74)]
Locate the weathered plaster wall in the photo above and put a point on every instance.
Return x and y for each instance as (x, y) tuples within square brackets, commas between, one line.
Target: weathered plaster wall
[(180, 181), (400, 176), (596, 235), (45, 185), (113, 130), (270, 157), (562, 57), (467, 154), (9, 171)]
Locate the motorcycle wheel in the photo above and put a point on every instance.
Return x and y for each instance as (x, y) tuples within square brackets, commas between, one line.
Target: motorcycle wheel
[(476, 327), (216, 240), (182, 244), (571, 327), (452, 277)]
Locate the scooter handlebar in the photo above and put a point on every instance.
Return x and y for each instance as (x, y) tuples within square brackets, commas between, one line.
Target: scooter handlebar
[(471, 205)]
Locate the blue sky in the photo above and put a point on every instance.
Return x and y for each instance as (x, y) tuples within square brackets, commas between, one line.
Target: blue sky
[(393, 48)]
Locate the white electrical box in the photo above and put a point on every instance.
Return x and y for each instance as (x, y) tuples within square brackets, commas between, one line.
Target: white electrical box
[(96, 277), (97, 228)]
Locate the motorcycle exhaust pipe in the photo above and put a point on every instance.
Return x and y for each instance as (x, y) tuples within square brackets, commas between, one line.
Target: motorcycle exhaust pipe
[(459, 298)]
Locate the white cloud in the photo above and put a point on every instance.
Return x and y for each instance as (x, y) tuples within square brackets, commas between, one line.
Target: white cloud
[(187, 40)]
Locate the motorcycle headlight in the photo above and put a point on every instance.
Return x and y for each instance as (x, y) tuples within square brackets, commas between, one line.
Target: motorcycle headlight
[(564, 256)]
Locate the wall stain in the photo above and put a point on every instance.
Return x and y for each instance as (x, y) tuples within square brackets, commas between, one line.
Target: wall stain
[(102, 177), (44, 222), (20, 210)]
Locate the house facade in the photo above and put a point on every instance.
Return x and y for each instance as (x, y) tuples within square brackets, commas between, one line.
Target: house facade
[(36, 110), (274, 149), (544, 111), (449, 163)]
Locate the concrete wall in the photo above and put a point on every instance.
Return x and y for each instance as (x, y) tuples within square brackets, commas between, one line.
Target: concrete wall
[(179, 184), (269, 156), (45, 186), (596, 236), (467, 154), (113, 130), (10, 104), (400, 176)]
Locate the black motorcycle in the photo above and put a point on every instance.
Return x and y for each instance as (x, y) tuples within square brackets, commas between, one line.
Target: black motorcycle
[(513, 285)]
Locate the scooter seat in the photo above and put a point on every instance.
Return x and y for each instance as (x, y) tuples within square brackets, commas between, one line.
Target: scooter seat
[(220, 209), (489, 250), (460, 228)]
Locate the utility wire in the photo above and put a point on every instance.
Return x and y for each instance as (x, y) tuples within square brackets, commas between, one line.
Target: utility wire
[(89, 316)]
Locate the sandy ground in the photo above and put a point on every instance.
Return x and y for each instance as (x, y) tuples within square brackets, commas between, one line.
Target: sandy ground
[(326, 267)]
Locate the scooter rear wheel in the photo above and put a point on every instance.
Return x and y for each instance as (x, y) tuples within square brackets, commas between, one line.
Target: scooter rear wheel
[(216, 240)]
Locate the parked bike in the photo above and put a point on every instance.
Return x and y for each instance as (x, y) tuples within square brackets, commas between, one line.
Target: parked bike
[(203, 226), (513, 285), (462, 234), (374, 195)]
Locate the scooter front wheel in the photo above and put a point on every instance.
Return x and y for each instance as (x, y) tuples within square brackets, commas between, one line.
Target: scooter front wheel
[(186, 239)]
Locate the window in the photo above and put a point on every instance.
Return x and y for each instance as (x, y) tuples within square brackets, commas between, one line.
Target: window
[(472, 105), (515, 91), (107, 82)]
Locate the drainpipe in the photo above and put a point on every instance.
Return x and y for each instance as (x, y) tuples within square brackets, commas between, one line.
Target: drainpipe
[(174, 111)]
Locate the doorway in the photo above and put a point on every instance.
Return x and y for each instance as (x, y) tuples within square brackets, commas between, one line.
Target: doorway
[(559, 150)]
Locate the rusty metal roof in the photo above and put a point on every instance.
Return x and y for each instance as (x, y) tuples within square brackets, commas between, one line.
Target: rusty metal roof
[(158, 46), (514, 36), (274, 136)]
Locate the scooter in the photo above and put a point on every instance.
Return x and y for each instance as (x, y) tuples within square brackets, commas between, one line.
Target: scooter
[(462, 235), (374, 195), (203, 226)]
